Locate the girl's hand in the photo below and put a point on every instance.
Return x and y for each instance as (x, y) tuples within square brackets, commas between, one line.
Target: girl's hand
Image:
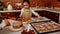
[(40, 17), (20, 16)]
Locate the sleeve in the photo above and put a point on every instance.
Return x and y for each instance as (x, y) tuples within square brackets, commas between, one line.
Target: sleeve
[(22, 10), (2, 25), (35, 13)]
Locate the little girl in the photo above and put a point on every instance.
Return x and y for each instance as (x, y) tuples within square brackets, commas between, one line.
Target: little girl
[(26, 12)]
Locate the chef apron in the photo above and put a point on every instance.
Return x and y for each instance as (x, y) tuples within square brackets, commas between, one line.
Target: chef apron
[(27, 14)]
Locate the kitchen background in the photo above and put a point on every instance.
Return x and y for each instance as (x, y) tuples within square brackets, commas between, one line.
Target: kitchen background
[(33, 3), (52, 11)]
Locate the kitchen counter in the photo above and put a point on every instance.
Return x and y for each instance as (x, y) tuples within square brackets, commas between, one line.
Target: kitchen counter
[(19, 32), (6, 31), (36, 9), (48, 9), (10, 11)]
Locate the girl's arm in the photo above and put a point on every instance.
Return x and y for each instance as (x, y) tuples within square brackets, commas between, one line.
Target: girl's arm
[(36, 14), (21, 12)]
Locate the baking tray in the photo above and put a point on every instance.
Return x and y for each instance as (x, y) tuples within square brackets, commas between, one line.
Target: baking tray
[(46, 31), (42, 19)]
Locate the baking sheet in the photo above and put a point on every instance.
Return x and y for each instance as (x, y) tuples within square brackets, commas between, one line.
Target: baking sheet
[(42, 27), (42, 19)]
